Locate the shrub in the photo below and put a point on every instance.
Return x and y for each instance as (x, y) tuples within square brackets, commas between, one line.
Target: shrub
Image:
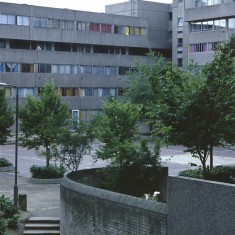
[(4, 162), (225, 174), (196, 173), (47, 172), (3, 226), (9, 214)]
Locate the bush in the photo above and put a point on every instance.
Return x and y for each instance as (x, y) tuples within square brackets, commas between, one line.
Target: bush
[(47, 172), (3, 226), (4, 162), (196, 173), (9, 214), (225, 174)]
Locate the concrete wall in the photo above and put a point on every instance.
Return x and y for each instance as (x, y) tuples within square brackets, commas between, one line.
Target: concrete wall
[(90, 211), (200, 207)]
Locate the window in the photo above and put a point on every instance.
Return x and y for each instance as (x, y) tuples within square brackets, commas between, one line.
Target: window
[(27, 68), (11, 67), (19, 44), (85, 69), (86, 91), (2, 44), (62, 47), (196, 26), (22, 20), (231, 23), (123, 70), (180, 22), (106, 28), (23, 92), (83, 26), (67, 24), (7, 19), (94, 27), (2, 67), (53, 23), (69, 91), (180, 62), (98, 70), (40, 22), (100, 49), (180, 41), (44, 68)]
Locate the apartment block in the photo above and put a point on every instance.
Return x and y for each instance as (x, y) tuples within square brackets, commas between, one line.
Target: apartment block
[(86, 54), (197, 28)]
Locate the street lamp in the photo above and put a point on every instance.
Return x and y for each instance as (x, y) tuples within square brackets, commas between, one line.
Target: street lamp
[(16, 140)]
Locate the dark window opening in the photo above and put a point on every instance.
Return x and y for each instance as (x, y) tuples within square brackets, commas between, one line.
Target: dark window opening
[(19, 44)]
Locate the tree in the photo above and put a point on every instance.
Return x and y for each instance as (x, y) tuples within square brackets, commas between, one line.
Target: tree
[(139, 89), (116, 130), (72, 145), (42, 119), (6, 118), (198, 110)]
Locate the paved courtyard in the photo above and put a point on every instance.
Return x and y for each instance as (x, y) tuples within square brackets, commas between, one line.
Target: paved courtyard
[(174, 157)]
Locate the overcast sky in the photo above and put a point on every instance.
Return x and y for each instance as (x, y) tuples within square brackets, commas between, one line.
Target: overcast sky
[(84, 5)]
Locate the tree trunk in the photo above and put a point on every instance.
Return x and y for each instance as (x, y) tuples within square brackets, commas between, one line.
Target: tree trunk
[(47, 156), (211, 156)]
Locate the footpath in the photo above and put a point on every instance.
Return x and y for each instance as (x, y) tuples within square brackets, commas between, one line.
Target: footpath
[(43, 200)]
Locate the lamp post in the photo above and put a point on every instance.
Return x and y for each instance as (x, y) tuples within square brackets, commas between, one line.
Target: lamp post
[(16, 140)]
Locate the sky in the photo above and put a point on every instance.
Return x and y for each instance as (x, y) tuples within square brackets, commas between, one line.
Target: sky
[(83, 5)]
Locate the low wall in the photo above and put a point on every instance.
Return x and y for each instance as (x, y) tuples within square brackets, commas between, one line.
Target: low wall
[(200, 207), (91, 211)]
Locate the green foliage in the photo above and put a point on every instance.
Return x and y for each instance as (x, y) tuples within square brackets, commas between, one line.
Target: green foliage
[(196, 173), (224, 174), (9, 213), (116, 129), (6, 118), (73, 145), (42, 119), (3, 225), (4, 162), (47, 172)]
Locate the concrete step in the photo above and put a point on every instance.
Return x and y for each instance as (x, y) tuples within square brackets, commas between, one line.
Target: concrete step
[(40, 232), (42, 225), (44, 220)]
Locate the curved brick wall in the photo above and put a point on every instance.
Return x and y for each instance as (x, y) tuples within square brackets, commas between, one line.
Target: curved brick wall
[(91, 211)]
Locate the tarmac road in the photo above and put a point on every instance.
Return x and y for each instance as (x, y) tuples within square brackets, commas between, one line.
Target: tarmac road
[(174, 157)]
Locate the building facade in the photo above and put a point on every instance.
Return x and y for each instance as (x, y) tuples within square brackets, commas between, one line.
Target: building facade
[(86, 54), (198, 26)]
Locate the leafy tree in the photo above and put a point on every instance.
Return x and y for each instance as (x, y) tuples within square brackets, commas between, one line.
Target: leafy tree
[(42, 119), (6, 118), (73, 145), (198, 110), (117, 126), (139, 88)]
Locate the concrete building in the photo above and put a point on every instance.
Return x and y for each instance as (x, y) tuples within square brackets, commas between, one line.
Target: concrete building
[(198, 26), (86, 54)]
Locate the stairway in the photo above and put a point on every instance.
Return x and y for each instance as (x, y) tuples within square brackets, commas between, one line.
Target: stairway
[(42, 225)]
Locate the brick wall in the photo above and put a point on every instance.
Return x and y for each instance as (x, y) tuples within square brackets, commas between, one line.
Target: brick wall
[(199, 207), (90, 211)]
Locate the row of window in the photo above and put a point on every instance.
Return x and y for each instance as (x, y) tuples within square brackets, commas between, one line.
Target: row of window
[(68, 91), (52, 23), (72, 47), (212, 25), (14, 20), (64, 69), (203, 47), (203, 3)]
